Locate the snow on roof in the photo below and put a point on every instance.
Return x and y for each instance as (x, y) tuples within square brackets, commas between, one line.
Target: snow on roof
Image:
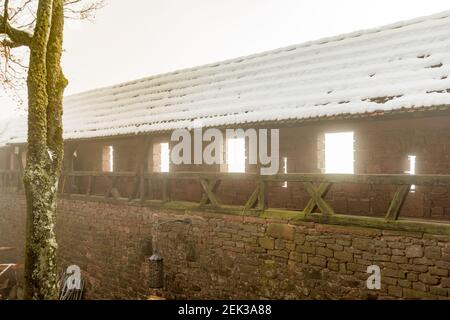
[(402, 65), (13, 129)]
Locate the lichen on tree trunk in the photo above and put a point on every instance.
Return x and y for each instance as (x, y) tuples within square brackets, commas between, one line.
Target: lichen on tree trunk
[(46, 84)]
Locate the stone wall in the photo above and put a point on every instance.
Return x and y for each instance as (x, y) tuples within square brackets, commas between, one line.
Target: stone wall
[(231, 256)]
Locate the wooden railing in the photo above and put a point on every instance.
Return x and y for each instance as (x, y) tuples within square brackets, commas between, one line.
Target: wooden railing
[(10, 180), (208, 181), (316, 185)]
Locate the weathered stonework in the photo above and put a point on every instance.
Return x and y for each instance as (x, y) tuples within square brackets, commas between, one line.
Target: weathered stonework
[(231, 256)]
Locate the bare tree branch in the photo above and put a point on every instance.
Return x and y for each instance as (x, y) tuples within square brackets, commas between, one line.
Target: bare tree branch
[(17, 22), (17, 38), (82, 9)]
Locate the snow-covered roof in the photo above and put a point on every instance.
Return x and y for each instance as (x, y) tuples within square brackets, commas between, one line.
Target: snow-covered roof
[(402, 65), (13, 130)]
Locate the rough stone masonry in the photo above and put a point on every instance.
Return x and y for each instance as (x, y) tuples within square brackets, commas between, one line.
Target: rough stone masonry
[(230, 256)]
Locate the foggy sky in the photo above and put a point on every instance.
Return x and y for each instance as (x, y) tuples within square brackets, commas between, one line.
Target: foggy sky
[(138, 38)]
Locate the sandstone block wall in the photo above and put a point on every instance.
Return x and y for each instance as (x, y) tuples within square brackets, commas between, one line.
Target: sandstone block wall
[(228, 256)]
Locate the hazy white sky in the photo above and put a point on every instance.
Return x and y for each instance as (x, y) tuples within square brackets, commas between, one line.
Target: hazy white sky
[(137, 38)]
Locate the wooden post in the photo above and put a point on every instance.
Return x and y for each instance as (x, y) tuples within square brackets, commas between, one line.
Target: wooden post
[(21, 169), (109, 186), (141, 164), (142, 191), (71, 166), (63, 184), (149, 188), (262, 203), (114, 191), (165, 190), (90, 185), (143, 168), (135, 190)]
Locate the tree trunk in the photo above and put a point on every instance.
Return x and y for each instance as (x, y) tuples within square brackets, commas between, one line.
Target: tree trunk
[(56, 83), (46, 85)]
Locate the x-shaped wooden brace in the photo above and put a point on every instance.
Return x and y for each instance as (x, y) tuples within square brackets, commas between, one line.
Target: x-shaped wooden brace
[(253, 200), (257, 199), (209, 188), (397, 202), (317, 198)]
